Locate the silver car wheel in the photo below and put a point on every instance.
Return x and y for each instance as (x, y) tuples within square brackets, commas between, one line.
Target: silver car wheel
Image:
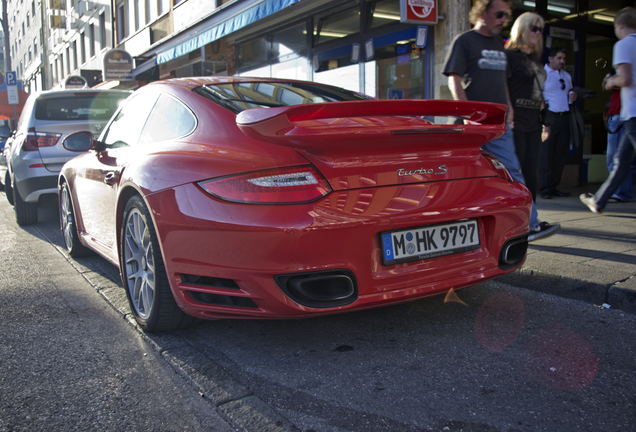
[(66, 218), (139, 262)]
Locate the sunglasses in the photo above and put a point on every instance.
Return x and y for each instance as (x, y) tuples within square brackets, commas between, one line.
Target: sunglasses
[(562, 84), (536, 29), (501, 14)]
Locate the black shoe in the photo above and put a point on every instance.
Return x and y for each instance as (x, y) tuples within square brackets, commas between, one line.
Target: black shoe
[(544, 229), (546, 195), (558, 193)]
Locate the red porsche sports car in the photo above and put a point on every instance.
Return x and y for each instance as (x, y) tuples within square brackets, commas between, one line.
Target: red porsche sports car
[(266, 198)]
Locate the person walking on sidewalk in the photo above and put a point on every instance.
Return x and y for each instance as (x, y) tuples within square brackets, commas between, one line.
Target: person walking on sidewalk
[(624, 61), (477, 70), (614, 126), (525, 83), (558, 95)]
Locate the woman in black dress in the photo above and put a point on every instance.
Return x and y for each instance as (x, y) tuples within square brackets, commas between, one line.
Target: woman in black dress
[(525, 85)]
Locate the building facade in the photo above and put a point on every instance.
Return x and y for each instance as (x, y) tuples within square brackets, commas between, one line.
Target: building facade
[(362, 45), (54, 39)]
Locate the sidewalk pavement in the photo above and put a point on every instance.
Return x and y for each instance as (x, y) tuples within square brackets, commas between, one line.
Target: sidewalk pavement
[(592, 258)]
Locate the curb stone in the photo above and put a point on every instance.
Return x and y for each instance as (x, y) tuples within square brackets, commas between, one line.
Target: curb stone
[(620, 296), (232, 400)]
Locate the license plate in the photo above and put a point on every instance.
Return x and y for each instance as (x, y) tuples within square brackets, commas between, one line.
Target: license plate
[(429, 241)]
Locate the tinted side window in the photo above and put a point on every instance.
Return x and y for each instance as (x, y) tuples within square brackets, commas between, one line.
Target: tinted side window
[(169, 119), (26, 113), (126, 127), (80, 106)]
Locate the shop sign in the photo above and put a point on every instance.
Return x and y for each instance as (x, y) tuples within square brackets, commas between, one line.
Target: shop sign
[(369, 49), (355, 53), (562, 33), (118, 66), (404, 53), (57, 4), (12, 89), (418, 11), (58, 22), (75, 82)]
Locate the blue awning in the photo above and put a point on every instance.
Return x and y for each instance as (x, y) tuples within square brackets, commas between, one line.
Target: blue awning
[(228, 26)]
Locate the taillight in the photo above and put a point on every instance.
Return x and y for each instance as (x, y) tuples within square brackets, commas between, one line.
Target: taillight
[(499, 167), (34, 140), (278, 186)]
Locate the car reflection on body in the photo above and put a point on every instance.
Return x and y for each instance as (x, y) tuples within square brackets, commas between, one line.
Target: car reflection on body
[(265, 198)]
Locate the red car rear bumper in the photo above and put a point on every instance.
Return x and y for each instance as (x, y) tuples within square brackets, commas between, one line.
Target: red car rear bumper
[(222, 258)]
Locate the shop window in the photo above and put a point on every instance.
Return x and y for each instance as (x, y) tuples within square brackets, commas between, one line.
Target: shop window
[(337, 23), (603, 11), (520, 6), (216, 59), (336, 68), (557, 8), (253, 54), (289, 41), (562, 7), (400, 70), (291, 69), (382, 12)]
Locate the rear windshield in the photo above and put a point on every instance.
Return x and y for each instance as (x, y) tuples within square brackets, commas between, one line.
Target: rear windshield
[(237, 97), (77, 106)]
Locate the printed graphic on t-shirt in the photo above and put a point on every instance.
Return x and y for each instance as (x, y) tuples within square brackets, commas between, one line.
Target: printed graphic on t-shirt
[(535, 98), (493, 60)]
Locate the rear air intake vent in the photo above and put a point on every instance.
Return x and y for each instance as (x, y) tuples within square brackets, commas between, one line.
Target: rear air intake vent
[(222, 300), (427, 131), (320, 289), (206, 281)]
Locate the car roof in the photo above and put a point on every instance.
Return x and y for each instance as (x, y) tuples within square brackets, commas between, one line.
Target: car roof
[(76, 92)]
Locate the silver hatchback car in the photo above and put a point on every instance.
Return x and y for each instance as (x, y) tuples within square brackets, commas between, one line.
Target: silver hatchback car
[(36, 154)]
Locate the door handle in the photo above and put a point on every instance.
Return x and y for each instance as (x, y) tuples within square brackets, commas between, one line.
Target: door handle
[(110, 179)]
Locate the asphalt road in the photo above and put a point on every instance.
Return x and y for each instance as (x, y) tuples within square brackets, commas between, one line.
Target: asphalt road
[(487, 358), (69, 361)]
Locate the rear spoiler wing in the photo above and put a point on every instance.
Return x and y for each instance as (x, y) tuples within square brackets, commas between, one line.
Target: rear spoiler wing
[(292, 126)]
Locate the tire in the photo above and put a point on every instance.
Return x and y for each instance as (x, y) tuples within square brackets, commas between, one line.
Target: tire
[(8, 189), (25, 213), (69, 226), (144, 274)]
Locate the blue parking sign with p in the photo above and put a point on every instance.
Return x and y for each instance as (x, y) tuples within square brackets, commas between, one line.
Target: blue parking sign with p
[(11, 79)]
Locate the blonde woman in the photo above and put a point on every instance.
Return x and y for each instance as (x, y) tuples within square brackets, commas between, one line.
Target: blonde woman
[(525, 84)]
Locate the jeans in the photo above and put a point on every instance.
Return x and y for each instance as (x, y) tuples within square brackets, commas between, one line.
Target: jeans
[(622, 160), (625, 191), (504, 149)]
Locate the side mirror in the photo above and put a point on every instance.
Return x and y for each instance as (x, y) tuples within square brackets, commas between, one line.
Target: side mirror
[(79, 142)]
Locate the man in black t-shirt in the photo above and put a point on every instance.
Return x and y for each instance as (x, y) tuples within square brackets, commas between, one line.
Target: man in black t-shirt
[(477, 70)]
